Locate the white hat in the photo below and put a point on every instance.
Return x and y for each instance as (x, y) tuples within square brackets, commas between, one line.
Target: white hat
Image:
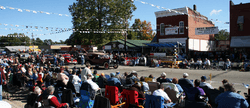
[(185, 74), (133, 71), (163, 74)]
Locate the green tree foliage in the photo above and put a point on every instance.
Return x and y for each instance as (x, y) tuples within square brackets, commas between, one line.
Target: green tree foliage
[(48, 42), (101, 15), (143, 30), (38, 41), (14, 39), (222, 35)]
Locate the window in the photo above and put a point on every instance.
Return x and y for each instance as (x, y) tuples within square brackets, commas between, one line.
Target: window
[(162, 29), (181, 27), (240, 22)]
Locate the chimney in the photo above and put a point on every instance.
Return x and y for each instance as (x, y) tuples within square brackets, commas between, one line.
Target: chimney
[(194, 8)]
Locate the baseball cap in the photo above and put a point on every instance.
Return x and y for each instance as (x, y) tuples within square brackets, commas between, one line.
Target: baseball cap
[(163, 74), (185, 74), (133, 71), (112, 74), (117, 72), (203, 77)]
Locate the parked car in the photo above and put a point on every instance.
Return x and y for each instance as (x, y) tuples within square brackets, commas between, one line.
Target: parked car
[(49, 58), (68, 59), (100, 59)]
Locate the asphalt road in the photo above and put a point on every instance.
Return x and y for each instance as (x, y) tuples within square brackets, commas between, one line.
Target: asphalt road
[(233, 76)]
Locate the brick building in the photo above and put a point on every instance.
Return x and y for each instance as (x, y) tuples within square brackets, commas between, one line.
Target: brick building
[(239, 26), (179, 25)]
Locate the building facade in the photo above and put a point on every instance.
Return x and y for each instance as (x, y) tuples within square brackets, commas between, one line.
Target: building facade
[(179, 25), (239, 20)]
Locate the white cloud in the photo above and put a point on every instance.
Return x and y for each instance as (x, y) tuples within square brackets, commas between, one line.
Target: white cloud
[(215, 12)]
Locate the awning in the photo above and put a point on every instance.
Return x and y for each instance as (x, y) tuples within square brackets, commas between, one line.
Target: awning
[(162, 44)]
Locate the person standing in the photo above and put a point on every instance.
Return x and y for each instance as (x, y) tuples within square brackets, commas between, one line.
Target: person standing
[(2, 81), (62, 60), (85, 72), (82, 59)]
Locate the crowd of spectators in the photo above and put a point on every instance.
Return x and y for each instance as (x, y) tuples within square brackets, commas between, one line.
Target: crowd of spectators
[(45, 81)]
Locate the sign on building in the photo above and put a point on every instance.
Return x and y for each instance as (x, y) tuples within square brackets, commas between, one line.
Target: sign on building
[(171, 31), (206, 30)]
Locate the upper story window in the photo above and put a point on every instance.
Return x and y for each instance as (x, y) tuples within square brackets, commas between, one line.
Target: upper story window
[(181, 27), (162, 29), (240, 22)]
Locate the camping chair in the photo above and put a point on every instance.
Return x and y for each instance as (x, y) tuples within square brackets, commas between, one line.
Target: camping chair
[(112, 93), (221, 65), (154, 101), (85, 100), (211, 94), (131, 97), (171, 86), (153, 86), (103, 102)]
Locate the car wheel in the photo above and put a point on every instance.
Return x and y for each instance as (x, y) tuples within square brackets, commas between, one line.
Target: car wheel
[(115, 66), (87, 63), (106, 65)]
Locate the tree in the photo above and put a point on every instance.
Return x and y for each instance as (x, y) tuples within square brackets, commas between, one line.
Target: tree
[(222, 35), (94, 15), (143, 29), (47, 42), (14, 39), (38, 41)]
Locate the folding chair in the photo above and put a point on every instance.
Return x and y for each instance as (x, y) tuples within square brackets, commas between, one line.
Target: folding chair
[(221, 65), (85, 100), (112, 93), (153, 86), (131, 97), (171, 86), (154, 101), (103, 102)]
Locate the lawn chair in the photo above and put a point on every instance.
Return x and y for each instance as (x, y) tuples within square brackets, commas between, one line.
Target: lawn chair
[(112, 93), (221, 65), (103, 102), (85, 100), (131, 97), (153, 86), (154, 101)]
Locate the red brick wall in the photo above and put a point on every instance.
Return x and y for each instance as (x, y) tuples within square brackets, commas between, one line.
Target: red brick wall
[(239, 10), (195, 22), (174, 21)]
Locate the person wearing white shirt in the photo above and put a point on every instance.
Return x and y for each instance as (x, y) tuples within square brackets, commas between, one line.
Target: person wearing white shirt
[(85, 72), (93, 85), (198, 63), (76, 81), (160, 92), (207, 63)]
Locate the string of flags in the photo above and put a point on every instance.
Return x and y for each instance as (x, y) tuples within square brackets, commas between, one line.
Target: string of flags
[(33, 11), (181, 13)]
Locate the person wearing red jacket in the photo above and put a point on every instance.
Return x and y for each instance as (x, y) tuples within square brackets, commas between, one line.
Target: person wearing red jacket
[(2, 81), (53, 99)]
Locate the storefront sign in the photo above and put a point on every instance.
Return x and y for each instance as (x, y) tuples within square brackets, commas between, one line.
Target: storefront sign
[(171, 31), (206, 30)]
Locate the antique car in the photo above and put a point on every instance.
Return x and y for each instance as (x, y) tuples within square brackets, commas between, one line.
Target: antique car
[(49, 58), (100, 59), (68, 59)]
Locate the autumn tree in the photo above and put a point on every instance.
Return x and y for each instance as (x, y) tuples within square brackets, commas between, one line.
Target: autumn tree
[(143, 30), (222, 35)]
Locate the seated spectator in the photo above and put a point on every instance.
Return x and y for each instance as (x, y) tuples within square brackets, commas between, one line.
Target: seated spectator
[(221, 88), (227, 64), (175, 81), (113, 81), (207, 63), (145, 86), (53, 101), (102, 81), (132, 78), (76, 81), (163, 78), (160, 92), (61, 77), (184, 82), (194, 93), (95, 79), (230, 99), (204, 83), (93, 85), (198, 63)]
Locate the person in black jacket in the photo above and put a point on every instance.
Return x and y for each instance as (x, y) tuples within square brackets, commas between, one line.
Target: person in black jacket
[(102, 81), (184, 82)]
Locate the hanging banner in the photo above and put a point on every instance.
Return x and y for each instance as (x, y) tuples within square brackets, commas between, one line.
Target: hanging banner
[(171, 31), (206, 30)]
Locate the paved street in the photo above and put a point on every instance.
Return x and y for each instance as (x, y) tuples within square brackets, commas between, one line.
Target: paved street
[(233, 76)]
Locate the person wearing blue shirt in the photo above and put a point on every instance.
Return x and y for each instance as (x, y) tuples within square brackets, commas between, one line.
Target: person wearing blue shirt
[(82, 58), (5, 64), (55, 60), (230, 99), (113, 80), (228, 64)]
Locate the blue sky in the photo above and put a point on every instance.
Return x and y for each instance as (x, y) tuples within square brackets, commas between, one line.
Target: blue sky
[(213, 9)]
